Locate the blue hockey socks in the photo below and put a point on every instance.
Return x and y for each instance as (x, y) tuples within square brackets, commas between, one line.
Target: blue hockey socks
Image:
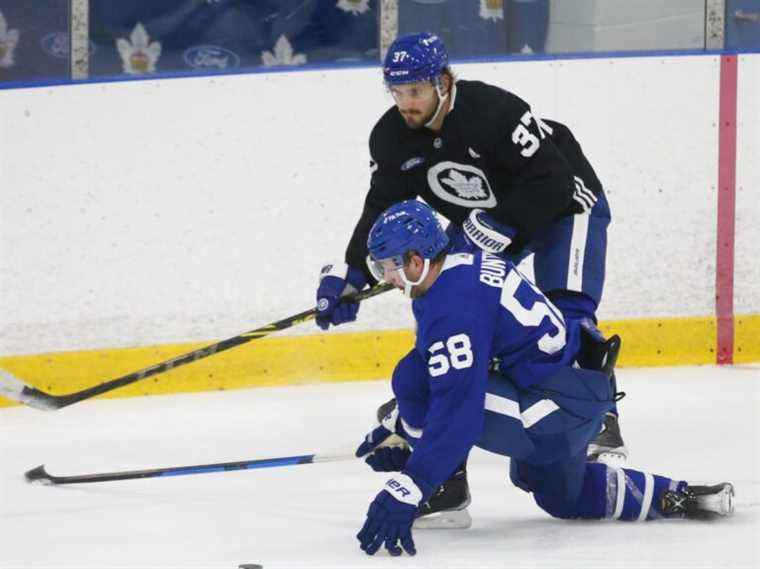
[(623, 493)]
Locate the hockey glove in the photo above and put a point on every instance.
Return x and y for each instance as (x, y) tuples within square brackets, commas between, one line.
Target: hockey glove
[(389, 459), (487, 233), (390, 517), (337, 280), (384, 457)]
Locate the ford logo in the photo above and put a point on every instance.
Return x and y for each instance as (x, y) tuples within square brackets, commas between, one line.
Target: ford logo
[(205, 56), (411, 163), (56, 44)]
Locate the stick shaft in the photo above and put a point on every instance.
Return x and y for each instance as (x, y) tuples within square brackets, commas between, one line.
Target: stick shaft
[(39, 474), (16, 389)]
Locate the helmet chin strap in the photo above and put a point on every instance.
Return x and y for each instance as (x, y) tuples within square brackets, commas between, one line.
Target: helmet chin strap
[(441, 100), (409, 284)]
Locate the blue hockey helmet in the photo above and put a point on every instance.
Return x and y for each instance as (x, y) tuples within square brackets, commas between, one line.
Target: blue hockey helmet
[(415, 57), (406, 226)]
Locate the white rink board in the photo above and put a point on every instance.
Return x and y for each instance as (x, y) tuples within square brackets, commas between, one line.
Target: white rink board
[(188, 209), (747, 275), (307, 516), (649, 128)]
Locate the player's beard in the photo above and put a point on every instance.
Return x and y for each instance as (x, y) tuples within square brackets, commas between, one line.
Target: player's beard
[(417, 120)]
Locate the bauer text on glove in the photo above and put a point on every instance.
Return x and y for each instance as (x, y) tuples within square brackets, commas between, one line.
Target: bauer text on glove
[(391, 515)]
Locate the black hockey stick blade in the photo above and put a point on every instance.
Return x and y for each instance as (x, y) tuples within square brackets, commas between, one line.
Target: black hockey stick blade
[(16, 389), (42, 476), (39, 474)]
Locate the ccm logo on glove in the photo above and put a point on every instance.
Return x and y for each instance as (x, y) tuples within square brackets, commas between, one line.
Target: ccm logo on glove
[(337, 280)]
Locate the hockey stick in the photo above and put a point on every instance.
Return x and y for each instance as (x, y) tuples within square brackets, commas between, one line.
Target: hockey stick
[(14, 388), (41, 475)]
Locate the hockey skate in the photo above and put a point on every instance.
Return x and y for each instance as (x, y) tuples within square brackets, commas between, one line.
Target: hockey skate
[(447, 508), (600, 354), (608, 446), (699, 502)]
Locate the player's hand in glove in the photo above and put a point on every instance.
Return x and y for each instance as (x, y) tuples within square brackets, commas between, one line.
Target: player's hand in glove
[(381, 456), (335, 281), (389, 459), (390, 517), (487, 233)]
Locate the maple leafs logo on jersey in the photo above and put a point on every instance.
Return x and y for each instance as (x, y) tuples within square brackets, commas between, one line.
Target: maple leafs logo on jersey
[(461, 184), (465, 187)]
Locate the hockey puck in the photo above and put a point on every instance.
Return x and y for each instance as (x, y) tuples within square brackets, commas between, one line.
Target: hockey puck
[(250, 566)]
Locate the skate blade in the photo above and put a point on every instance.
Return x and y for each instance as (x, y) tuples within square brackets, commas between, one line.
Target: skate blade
[(448, 519), (728, 500), (721, 504)]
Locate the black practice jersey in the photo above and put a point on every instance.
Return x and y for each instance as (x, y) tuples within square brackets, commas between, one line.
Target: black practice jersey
[(491, 153)]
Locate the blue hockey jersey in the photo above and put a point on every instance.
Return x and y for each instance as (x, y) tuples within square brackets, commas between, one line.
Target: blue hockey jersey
[(480, 313)]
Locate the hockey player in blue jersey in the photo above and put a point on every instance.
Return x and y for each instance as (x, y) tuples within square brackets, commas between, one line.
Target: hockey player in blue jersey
[(494, 366)]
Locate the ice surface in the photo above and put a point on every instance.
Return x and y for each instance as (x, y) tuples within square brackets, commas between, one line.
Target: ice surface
[(701, 424)]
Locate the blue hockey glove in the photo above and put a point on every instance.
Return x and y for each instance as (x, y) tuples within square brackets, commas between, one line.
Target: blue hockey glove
[(337, 280), (384, 458), (487, 233), (390, 517), (389, 459)]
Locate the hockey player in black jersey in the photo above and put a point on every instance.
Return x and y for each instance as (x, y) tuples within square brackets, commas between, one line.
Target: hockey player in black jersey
[(507, 180)]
